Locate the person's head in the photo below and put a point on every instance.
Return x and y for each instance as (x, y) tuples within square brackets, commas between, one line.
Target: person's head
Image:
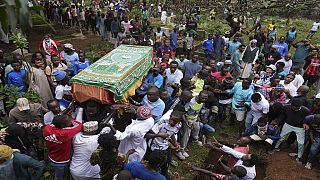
[(186, 96), (239, 171), (90, 128), (306, 42), (210, 36), (55, 60), (153, 94), (203, 96), (107, 142), (173, 66), (243, 141), (61, 121), (195, 58), (166, 42), (293, 29), (203, 74), (53, 105), (274, 81), (314, 52), (61, 77), (235, 38), (164, 94), (280, 66), (175, 117), (262, 121), (249, 160), (288, 57), (289, 78), (186, 83), (182, 57), (256, 97), (296, 104), (68, 48), (224, 70), (296, 70), (38, 59), (124, 175), (155, 71), (273, 124), (273, 48), (253, 43), (282, 39), (303, 90), (82, 57), (246, 83), (5, 153), (156, 159), (16, 65), (270, 69), (143, 112), (158, 29), (92, 108), (242, 48)]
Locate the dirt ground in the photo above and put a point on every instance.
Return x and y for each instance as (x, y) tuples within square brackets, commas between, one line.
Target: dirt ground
[(283, 167)]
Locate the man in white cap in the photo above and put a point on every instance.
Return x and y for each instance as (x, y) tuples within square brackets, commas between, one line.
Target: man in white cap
[(71, 57), (84, 144), (27, 112), (249, 56), (133, 135)]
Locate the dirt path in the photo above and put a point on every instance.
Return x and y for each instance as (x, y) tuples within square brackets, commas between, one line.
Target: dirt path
[(283, 167)]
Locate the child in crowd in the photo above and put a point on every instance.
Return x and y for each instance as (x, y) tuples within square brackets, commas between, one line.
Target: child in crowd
[(56, 64), (268, 132), (82, 63), (199, 81), (63, 90), (54, 107), (17, 77)]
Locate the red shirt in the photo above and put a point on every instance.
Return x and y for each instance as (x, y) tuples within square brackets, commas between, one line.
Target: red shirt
[(217, 75), (312, 66), (59, 141)]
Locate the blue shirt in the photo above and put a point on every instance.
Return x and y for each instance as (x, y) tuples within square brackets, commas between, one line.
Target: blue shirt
[(174, 40), (138, 170), (71, 61), (157, 81), (301, 53), (156, 107), (240, 95), (81, 66), (233, 46), (191, 69), (282, 48), (209, 45), (15, 78)]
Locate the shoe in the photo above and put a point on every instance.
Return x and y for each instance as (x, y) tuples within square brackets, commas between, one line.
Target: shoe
[(185, 154), (180, 156), (174, 163), (276, 150), (270, 152), (308, 165), (199, 143), (204, 139), (298, 160), (293, 154)]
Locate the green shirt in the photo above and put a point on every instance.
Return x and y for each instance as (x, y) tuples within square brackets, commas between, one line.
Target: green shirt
[(193, 110)]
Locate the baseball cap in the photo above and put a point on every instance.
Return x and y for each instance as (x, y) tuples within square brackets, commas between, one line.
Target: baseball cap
[(23, 104), (69, 46), (271, 66), (227, 62), (143, 89)]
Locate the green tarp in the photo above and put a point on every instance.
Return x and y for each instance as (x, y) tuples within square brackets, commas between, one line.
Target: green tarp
[(117, 71)]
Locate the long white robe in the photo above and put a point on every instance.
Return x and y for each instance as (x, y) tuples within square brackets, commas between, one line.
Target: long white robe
[(133, 138)]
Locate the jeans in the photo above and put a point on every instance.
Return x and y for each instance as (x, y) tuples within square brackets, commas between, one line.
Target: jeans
[(251, 119), (300, 133), (60, 170), (314, 150), (206, 129)]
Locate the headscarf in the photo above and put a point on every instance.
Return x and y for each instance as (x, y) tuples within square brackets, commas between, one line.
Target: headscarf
[(144, 112)]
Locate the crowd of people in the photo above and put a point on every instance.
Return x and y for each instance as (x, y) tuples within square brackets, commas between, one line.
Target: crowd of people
[(260, 89)]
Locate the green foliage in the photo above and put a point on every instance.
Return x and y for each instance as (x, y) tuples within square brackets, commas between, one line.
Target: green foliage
[(9, 95), (135, 13), (20, 41)]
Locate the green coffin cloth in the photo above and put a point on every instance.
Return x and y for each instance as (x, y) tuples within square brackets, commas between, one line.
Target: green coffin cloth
[(118, 70)]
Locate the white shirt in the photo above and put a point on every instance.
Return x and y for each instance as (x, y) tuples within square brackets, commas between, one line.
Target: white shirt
[(163, 125), (83, 147), (172, 78), (298, 81), (287, 65), (251, 171), (262, 106), (133, 138), (48, 117), (315, 26), (292, 89)]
